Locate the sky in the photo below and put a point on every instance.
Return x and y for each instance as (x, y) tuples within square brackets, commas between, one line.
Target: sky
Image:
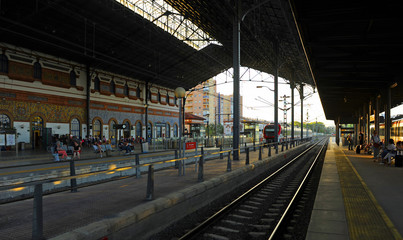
[(257, 102)]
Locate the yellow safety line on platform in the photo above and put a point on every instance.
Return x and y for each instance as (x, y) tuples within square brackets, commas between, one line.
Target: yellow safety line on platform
[(366, 218)]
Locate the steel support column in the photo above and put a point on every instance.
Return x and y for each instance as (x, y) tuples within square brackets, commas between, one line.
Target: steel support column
[(338, 131), (180, 170), (146, 111), (387, 115), (301, 96), (292, 107), (376, 117), (369, 122), (236, 65), (276, 95), (364, 120), (88, 100)]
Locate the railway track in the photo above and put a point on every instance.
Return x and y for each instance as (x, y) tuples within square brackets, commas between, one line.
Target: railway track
[(268, 210)]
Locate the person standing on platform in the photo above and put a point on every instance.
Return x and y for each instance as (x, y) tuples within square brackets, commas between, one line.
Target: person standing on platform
[(376, 144), (350, 142), (361, 140), (76, 150)]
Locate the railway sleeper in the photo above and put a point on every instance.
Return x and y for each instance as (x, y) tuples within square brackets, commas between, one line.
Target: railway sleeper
[(214, 236), (257, 235), (266, 191), (253, 202), (261, 195), (239, 217), (259, 199), (232, 223), (260, 227), (247, 206), (277, 205), (271, 214), (267, 220), (274, 210), (226, 230), (241, 211)]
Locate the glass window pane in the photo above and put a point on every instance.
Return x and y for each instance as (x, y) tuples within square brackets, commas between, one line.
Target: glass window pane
[(75, 127)]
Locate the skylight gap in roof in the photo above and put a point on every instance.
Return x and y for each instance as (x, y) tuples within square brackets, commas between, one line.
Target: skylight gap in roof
[(166, 17)]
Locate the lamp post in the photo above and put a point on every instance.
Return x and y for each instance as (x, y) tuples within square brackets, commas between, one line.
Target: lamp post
[(180, 94), (207, 128)]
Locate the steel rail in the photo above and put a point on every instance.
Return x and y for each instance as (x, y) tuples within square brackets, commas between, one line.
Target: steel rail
[(292, 202), (195, 231)]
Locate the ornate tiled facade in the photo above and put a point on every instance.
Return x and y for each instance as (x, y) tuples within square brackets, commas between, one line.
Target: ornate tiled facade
[(55, 91), (25, 111)]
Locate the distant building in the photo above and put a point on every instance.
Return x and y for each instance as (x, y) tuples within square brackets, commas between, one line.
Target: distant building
[(201, 102)]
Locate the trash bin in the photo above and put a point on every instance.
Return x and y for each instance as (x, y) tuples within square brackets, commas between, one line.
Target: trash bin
[(21, 145)]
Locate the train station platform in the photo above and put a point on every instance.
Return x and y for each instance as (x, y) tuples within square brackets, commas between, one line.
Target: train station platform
[(95, 211), (357, 198)]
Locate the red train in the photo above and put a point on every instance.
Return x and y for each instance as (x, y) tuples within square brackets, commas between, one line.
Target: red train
[(268, 132)]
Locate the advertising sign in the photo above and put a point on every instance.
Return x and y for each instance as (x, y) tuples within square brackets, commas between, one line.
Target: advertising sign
[(2, 139), (191, 145), (10, 139), (228, 128)]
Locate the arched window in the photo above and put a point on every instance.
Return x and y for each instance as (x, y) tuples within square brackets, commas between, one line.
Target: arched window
[(4, 121), (3, 63), (138, 92), (97, 84), (168, 131), (175, 130), (159, 130), (126, 90), (73, 78), (112, 87), (139, 132), (75, 127), (97, 129), (37, 70)]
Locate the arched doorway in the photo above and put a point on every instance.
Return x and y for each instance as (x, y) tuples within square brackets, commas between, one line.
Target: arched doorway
[(37, 127), (97, 129), (168, 130), (126, 129), (176, 130), (112, 132), (139, 130)]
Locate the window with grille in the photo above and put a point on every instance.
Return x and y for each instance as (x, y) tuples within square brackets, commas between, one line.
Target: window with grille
[(97, 84), (37, 70), (75, 127), (3, 63), (4, 121)]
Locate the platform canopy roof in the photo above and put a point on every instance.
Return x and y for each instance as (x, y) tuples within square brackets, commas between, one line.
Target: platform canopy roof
[(355, 50), (107, 35), (349, 50)]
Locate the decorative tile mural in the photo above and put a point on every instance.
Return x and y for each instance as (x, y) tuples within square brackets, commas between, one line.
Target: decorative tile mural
[(23, 111)]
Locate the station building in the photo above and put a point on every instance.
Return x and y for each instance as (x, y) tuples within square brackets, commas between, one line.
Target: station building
[(43, 96)]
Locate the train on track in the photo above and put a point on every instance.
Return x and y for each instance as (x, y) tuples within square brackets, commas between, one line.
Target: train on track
[(396, 130), (283, 134), (268, 132)]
